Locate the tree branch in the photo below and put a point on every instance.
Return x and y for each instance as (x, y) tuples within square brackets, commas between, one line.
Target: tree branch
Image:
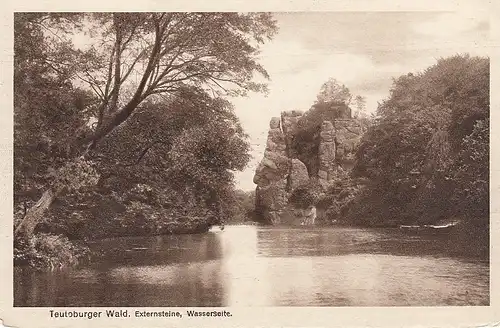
[(93, 85), (138, 96), (110, 71), (119, 51), (144, 152)]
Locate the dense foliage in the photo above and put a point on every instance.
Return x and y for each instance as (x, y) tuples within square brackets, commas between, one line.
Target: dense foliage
[(332, 103), (130, 133), (306, 194), (332, 91), (427, 153), (241, 207), (174, 175), (423, 160), (49, 111)]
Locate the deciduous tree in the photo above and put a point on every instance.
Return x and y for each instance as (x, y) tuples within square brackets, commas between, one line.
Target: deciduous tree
[(139, 56), (333, 91), (426, 151)]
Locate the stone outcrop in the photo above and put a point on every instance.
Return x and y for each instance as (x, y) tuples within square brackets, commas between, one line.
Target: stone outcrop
[(280, 172), (326, 152), (289, 122), (338, 142), (274, 166), (298, 174), (271, 175), (348, 134)]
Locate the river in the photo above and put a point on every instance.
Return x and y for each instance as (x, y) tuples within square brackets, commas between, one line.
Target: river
[(266, 266)]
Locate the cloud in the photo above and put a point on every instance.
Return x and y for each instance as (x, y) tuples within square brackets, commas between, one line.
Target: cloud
[(448, 25), (360, 49), (469, 17)]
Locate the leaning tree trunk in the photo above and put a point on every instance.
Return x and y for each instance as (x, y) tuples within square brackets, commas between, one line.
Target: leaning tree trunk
[(35, 214)]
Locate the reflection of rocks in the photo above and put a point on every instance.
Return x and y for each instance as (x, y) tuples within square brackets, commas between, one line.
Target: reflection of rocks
[(280, 172)]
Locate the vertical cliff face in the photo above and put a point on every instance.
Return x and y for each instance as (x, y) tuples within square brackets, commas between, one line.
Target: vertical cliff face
[(271, 179), (280, 171), (337, 145), (326, 153), (289, 121)]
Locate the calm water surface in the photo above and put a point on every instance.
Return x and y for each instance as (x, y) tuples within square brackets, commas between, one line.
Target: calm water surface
[(266, 266)]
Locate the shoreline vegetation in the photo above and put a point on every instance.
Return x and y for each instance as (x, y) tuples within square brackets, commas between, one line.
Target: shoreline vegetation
[(99, 154), (52, 252)]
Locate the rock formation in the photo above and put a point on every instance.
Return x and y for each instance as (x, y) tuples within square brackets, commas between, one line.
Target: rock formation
[(289, 122), (280, 171), (271, 175), (326, 152)]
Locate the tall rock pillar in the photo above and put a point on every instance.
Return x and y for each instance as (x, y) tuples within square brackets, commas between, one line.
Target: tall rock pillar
[(271, 175), (326, 153), (289, 121)]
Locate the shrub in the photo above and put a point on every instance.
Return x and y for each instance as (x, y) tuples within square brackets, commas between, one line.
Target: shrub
[(306, 195), (49, 251)]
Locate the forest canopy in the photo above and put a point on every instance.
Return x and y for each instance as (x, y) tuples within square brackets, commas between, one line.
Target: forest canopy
[(427, 152), (122, 120)]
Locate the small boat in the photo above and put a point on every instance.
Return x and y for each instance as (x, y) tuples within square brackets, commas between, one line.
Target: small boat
[(432, 228), (139, 248), (442, 226)]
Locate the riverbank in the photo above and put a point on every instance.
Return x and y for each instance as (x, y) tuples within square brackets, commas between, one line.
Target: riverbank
[(50, 250)]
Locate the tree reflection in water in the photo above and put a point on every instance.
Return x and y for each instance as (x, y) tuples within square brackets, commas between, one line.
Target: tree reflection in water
[(262, 266)]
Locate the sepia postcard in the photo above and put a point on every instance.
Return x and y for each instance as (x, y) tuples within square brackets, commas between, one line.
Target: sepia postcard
[(285, 164)]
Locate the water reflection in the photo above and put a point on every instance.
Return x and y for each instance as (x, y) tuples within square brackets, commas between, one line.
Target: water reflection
[(256, 266), (157, 271), (245, 274)]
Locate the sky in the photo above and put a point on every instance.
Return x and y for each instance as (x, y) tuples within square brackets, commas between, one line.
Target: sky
[(363, 50)]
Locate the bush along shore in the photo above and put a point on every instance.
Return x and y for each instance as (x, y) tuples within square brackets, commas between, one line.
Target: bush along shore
[(60, 240), (51, 249)]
